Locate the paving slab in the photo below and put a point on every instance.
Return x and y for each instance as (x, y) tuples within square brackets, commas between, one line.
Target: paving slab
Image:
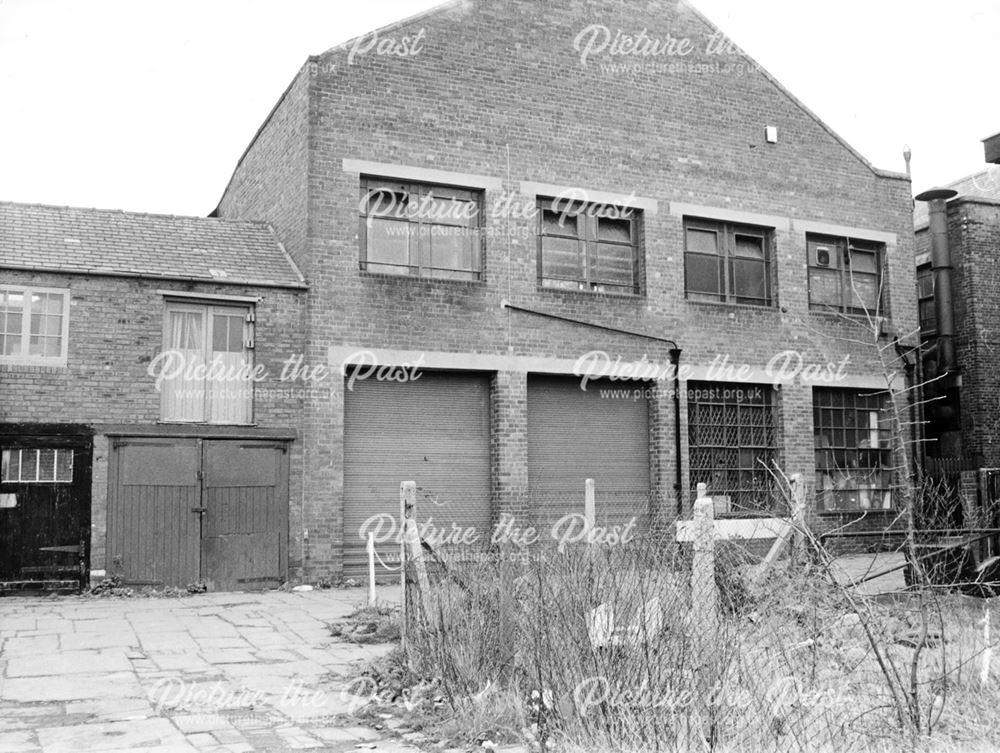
[(211, 673)]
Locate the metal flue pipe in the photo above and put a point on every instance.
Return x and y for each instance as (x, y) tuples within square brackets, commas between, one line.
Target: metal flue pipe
[(937, 210)]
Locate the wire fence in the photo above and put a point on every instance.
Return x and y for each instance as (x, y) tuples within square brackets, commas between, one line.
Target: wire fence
[(682, 639)]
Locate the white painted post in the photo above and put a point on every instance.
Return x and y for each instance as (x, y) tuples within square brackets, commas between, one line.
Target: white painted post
[(371, 569), (403, 595), (589, 507), (798, 485), (704, 597)]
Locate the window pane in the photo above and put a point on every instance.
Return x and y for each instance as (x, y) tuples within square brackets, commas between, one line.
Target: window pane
[(11, 345), (750, 246), (387, 202), (5, 465), (824, 288), (618, 230), (562, 257), (702, 241), (389, 246), (46, 465), (446, 211), (612, 264), (29, 465), (749, 280), (226, 331), (925, 283), (451, 249), (864, 293), (558, 223), (703, 273), (864, 262), (52, 347), (64, 465), (36, 322), (13, 325)]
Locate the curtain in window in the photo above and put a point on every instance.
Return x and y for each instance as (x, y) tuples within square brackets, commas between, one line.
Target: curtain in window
[(184, 386), (230, 392)]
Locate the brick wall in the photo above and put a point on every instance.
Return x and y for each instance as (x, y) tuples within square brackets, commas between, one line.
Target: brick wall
[(115, 331), (499, 90)]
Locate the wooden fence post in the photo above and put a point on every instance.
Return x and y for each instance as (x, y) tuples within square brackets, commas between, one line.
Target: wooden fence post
[(798, 485), (411, 544)]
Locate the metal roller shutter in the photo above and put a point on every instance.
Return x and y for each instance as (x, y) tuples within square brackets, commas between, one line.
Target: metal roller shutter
[(574, 435), (435, 431)]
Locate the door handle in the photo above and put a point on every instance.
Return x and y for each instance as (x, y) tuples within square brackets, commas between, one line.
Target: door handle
[(199, 510)]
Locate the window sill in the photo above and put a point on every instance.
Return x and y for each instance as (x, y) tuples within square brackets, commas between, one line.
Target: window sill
[(842, 316), (36, 368), (858, 512), (417, 280), (165, 422), (590, 294), (724, 305)]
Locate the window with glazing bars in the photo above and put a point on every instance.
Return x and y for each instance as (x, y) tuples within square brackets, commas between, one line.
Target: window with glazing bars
[(925, 301), (728, 263), (851, 431), (588, 247), (845, 274), (420, 230), (733, 443)]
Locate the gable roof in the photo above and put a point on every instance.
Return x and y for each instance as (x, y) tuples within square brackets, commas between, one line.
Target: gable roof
[(38, 237), (449, 5)]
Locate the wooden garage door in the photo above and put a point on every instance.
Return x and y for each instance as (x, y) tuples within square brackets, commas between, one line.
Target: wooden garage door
[(435, 431), (189, 510), (574, 435)]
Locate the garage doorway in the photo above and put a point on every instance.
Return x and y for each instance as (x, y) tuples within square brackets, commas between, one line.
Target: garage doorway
[(186, 510)]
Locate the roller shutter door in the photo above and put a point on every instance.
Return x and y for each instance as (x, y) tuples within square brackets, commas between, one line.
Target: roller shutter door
[(574, 435), (435, 431)]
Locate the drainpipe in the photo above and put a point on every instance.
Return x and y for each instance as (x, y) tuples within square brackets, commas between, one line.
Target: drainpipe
[(675, 359), (936, 199)]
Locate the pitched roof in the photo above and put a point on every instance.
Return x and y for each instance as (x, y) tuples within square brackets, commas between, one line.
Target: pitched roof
[(984, 185), (103, 241)]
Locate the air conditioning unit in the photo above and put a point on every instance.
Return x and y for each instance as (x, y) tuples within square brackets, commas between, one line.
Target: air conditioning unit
[(822, 256)]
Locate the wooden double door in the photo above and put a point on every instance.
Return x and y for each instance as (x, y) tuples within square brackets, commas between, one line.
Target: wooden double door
[(185, 511)]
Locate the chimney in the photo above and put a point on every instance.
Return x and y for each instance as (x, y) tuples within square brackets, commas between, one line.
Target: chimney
[(937, 209)]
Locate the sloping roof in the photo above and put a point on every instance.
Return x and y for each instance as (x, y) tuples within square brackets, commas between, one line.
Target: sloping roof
[(103, 241), (984, 185)]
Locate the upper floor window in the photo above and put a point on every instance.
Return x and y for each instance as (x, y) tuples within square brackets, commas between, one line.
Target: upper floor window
[(207, 364), (588, 247), (726, 262), (852, 434), (925, 300), (845, 274), (420, 230), (34, 325)]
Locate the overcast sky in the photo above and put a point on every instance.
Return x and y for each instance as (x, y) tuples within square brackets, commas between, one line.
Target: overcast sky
[(147, 106)]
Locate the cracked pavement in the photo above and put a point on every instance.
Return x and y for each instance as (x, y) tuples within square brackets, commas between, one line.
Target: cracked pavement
[(215, 673)]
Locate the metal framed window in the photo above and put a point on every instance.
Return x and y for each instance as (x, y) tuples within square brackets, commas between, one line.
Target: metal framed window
[(36, 466), (845, 274), (588, 247), (732, 439), (420, 230), (34, 325), (925, 301), (728, 263), (852, 433), (207, 363)]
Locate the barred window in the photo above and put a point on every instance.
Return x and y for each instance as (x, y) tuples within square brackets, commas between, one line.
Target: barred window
[(851, 430), (733, 443)]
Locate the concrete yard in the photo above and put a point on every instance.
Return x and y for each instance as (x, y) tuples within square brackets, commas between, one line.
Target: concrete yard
[(219, 673)]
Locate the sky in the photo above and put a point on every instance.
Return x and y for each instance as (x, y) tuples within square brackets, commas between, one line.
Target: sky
[(147, 106)]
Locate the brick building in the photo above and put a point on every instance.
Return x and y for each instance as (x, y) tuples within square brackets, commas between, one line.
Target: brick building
[(697, 202), (114, 454), (495, 205), (963, 421)]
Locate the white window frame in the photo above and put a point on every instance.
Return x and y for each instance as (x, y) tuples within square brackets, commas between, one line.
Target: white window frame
[(207, 306), (23, 358), (9, 451)]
